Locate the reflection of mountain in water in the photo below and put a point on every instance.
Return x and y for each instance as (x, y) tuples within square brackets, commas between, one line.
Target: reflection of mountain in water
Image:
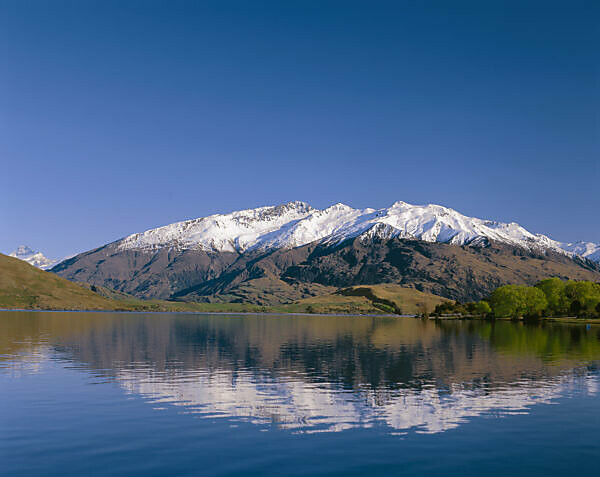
[(295, 404), (316, 373)]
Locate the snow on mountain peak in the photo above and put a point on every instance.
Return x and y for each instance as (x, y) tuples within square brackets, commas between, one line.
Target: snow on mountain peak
[(297, 223), (234, 232), (37, 259)]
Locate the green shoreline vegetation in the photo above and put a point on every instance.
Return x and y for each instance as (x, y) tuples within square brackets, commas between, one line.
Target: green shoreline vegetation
[(551, 298)]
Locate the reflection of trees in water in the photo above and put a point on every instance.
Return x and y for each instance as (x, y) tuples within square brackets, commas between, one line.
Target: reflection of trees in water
[(549, 341), (304, 373), (376, 352)]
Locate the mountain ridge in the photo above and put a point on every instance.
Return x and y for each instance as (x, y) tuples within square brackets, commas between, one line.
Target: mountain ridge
[(297, 223), (289, 252)]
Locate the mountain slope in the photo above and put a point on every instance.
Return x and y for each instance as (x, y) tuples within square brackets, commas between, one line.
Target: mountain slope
[(25, 286), (457, 272), (146, 273), (286, 275)]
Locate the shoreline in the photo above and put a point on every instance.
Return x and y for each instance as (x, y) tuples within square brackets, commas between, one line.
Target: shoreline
[(566, 319), (557, 319), (250, 313)]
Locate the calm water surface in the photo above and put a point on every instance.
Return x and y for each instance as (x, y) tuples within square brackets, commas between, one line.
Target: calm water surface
[(182, 394)]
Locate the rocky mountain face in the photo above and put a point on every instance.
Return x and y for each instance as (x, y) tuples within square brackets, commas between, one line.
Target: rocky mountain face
[(457, 272), (155, 273), (281, 253)]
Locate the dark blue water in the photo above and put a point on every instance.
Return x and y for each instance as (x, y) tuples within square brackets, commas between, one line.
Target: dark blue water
[(147, 394)]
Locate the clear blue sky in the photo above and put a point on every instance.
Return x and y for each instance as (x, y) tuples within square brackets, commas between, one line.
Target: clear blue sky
[(116, 117)]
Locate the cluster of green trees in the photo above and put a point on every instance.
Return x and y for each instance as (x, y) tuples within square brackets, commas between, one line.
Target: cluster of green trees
[(479, 308), (550, 297)]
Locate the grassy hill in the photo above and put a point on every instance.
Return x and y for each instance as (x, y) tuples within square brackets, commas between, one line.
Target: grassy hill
[(386, 298), (24, 286), (402, 300)]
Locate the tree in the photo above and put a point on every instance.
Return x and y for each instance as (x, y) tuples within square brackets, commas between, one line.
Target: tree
[(504, 301), (515, 301), (553, 289), (581, 298), (533, 302), (449, 308), (551, 296), (482, 308)]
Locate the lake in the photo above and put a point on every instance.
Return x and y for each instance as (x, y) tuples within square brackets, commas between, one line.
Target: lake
[(190, 394)]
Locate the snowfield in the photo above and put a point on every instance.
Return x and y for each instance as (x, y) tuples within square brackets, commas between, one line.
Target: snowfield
[(297, 223)]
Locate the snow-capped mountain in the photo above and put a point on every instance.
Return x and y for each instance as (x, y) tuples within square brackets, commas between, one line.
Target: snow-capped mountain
[(272, 254), (297, 223), (37, 259)]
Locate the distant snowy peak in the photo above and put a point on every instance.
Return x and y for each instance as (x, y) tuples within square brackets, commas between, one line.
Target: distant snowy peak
[(37, 259), (297, 223), (588, 250)]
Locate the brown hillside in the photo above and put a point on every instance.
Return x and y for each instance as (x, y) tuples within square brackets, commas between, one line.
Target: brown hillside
[(24, 286)]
